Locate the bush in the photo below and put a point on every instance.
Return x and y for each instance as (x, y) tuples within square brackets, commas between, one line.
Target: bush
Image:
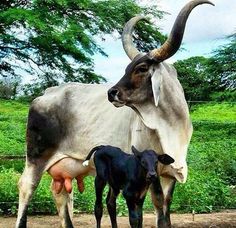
[(228, 95), (203, 192), (8, 191)]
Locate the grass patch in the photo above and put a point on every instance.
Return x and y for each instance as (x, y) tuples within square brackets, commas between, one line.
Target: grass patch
[(13, 118), (217, 112), (211, 159)]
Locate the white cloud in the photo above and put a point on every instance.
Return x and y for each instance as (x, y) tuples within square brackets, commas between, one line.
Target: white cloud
[(205, 26), (205, 21)]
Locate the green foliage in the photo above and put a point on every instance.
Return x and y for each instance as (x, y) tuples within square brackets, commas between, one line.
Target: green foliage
[(203, 192), (227, 95), (55, 40), (8, 90), (211, 160), (222, 112), (85, 202), (193, 74), (42, 200), (8, 191), (13, 116), (223, 63), (17, 165), (212, 78)]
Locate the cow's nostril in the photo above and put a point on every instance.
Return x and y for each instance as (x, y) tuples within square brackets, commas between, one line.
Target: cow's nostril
[(112, 93)]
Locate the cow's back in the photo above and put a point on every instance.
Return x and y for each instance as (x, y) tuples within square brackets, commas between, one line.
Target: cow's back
[(69, 120)]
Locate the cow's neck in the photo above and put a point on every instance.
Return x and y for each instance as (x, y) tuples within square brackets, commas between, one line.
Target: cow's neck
[(148, 114)]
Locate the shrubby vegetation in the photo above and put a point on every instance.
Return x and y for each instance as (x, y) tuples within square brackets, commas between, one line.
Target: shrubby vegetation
[(210, 79), (211, 158), (13, 117)]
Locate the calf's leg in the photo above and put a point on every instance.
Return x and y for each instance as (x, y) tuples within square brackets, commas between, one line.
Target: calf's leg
[(133, 215), (140, 211), (161, 198), (111, 206), (99, 187), (129, 196)]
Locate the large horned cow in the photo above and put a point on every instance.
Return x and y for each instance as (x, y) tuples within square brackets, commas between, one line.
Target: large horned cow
[(69, 120)]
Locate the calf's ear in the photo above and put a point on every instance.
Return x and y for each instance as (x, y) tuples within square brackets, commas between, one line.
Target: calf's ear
[(165, 159), (135, 151)]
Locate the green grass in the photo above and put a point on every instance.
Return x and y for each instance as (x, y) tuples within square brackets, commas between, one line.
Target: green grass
[(211, 159), (223, 112), (13, 117)]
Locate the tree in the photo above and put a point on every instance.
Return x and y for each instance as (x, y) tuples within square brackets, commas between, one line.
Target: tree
[(195, 78), (223, 64), (9, 87), (55, 39), (211, 78)]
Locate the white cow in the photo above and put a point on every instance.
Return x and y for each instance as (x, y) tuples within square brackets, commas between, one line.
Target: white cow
[(69, 120)]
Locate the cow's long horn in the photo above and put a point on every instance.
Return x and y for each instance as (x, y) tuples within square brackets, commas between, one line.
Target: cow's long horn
[(172, 44), (127, 42)]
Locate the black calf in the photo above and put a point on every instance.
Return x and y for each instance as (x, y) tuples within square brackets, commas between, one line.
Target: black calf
[(131, 173)]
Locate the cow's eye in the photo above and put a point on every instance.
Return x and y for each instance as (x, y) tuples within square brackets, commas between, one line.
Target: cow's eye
[(141, 70)]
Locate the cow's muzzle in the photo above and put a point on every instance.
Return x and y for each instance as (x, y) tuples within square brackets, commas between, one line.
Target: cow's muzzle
[(113, 97), (113, 94)]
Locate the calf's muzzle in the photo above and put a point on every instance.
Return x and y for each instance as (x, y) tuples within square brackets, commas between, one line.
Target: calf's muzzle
[(151, 176)]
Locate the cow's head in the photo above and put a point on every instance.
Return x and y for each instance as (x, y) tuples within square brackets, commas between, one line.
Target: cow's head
[(143, 76), (149, 160)]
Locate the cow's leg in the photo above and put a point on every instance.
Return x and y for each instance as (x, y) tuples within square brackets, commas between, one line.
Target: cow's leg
[(111, 206), (27, 184), (64, 204), (99, 187), (161, 198)]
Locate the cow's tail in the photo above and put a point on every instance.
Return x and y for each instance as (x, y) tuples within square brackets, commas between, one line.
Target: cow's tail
[(86, 162)]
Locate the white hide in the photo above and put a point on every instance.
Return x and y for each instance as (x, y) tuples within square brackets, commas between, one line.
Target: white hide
[(94, 121), (170, 121)]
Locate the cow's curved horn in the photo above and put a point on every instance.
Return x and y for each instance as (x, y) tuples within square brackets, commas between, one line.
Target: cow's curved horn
[(127, 42), (172, 44)]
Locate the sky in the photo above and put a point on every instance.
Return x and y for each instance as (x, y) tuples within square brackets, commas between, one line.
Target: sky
[(205, 31)]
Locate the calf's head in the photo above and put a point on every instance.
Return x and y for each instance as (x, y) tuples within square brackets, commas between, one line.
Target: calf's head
[(149, 160), (143, 76)]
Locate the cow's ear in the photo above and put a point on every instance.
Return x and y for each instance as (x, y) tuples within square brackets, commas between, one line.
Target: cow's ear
[(135, 151), (165, 159), (156, 82)]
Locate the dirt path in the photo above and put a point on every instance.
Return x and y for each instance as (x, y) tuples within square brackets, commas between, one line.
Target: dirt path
[(215, 220)]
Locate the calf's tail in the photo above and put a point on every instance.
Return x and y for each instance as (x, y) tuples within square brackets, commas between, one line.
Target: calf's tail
[(86, 162)]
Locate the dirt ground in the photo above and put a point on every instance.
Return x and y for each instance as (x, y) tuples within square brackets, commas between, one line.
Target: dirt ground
[(214, 220)]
